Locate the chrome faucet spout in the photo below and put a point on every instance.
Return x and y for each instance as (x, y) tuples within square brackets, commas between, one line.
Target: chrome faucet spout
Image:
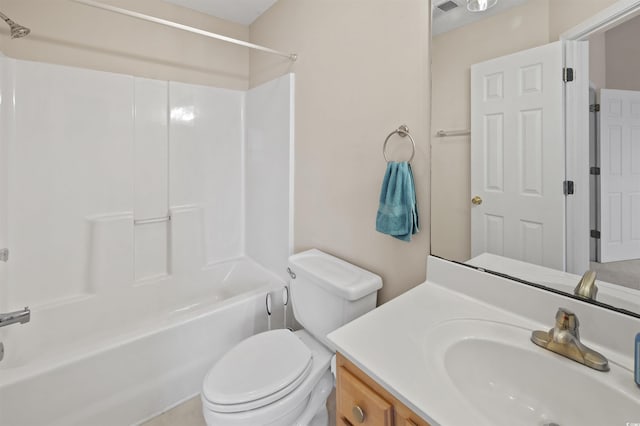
[(587, 288), (23, 316), (564, 339)]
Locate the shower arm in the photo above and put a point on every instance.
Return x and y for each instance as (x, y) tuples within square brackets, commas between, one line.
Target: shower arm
[(6, 19), (17, 30)]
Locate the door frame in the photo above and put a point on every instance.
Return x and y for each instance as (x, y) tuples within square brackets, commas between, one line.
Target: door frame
[(576, 56)]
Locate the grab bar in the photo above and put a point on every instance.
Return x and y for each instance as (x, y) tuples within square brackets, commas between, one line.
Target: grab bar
[(23, 316), (152, 220)]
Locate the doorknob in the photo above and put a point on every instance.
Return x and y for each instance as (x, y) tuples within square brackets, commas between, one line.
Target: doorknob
[(476, 201)]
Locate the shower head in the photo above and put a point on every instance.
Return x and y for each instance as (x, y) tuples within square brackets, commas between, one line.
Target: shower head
[(17, 31)]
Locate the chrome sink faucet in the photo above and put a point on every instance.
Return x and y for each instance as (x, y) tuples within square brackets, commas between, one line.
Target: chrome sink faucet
[(586, 288), (564, 339), (22, 317)]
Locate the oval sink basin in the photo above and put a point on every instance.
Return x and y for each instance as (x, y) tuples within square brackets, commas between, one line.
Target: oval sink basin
[(504, 379)]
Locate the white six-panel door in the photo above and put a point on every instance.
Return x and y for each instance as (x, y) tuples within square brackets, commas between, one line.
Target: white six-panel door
[(517, 156), (619, 175)]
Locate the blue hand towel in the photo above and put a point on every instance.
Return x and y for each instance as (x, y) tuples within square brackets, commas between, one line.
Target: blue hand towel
[(398, 213)]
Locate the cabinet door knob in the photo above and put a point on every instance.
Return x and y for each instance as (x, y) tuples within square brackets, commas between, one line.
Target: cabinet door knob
[(358, 413), (476, 201)]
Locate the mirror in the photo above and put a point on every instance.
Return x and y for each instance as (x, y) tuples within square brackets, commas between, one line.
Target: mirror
[(511, 132)]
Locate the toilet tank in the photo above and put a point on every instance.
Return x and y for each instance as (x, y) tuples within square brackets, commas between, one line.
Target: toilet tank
[(328, 292)]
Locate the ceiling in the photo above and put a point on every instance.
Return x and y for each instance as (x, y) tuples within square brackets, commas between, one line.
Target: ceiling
[(240, 11), (460, 16)]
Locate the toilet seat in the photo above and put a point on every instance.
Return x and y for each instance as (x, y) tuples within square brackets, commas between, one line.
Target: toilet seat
[(258, 371)]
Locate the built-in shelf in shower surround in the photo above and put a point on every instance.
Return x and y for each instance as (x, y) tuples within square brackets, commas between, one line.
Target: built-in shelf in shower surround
[(90, 152), (110, 253)]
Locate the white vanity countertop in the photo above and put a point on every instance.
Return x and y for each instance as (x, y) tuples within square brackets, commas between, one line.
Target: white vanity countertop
[(389, 343)]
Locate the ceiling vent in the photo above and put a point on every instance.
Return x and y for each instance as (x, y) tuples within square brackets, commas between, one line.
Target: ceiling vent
[(447, 6)]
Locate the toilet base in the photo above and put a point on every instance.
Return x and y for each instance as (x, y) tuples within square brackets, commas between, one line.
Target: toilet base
[(315, 414), (321, 418)]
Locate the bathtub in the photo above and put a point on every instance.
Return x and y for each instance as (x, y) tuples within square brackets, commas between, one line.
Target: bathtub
[(122, 357)]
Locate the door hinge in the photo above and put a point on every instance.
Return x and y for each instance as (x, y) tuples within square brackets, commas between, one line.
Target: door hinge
[(594, 108), (595, 234), (4, 255), (567, 186), (567, 74), (594, 171)]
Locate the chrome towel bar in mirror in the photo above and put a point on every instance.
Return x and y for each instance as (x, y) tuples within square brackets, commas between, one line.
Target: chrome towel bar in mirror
[(445, 133)]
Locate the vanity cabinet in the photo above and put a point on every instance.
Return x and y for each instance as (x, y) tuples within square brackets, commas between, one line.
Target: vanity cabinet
[(362, 401)]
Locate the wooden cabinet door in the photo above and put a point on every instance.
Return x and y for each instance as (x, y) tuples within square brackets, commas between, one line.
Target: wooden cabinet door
[(359, 404), (356, 391), (409, 421), (406, 417)]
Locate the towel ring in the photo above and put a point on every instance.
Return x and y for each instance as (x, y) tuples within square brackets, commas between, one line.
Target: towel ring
[(402, 131)]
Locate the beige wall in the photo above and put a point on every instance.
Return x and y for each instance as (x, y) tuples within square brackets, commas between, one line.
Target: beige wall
[(453, 53), (597, 61), (535, 23), (614, 57), (68, 33), (566, 14), (623, 56), (362, 71)]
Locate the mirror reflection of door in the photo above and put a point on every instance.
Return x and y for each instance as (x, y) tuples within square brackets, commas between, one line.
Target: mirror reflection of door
[(463, 224), (615, 81), (517, 156)]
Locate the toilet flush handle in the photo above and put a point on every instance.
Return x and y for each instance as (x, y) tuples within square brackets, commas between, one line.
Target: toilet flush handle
[(285, 302), (291, 273), (268, 306)]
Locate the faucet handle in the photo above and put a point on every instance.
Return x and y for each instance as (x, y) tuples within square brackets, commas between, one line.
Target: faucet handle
[(587, 288), (567, 321)]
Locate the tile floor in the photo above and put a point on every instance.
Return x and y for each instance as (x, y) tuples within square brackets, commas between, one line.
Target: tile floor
[(626, 272), (189, 413)]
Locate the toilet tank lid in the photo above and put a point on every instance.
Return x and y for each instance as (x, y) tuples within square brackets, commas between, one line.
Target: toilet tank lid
[(336, 275)]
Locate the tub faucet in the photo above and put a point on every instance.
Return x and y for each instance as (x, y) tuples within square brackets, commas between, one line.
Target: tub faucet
[(564, 339), (586, 288), (22, 317)]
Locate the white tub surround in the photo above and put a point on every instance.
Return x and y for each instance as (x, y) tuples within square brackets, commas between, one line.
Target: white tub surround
[(124, 204), (269, 152), (415, 345), (115, 180)]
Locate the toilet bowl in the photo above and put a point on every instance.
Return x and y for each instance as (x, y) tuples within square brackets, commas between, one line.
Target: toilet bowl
[(267, 399), (283, 378)]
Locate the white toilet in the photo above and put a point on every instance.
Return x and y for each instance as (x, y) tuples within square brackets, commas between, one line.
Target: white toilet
[(283, 378)]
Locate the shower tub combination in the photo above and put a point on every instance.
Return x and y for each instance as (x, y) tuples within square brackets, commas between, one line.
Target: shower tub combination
[(122, 358), (145, 243)]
